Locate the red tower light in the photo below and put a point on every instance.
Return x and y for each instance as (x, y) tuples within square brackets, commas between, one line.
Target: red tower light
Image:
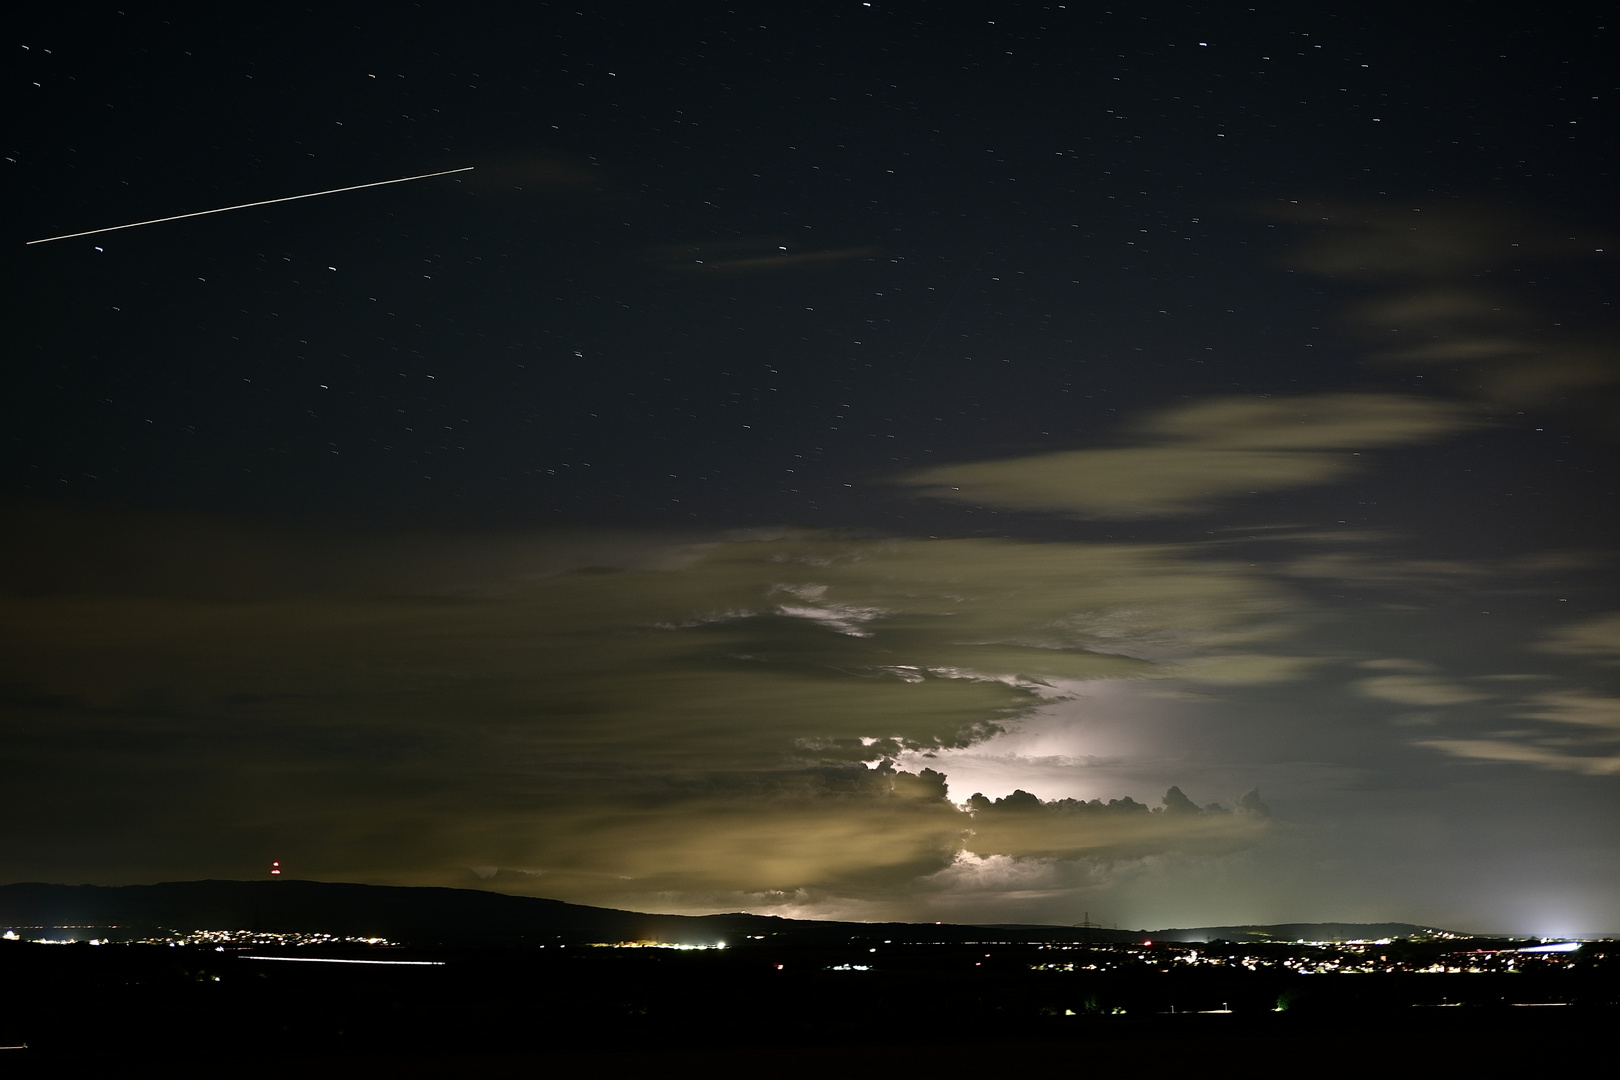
[(275, 868)]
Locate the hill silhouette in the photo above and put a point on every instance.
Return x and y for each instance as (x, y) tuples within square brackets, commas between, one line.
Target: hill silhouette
[(440, 916), (1254, 934)]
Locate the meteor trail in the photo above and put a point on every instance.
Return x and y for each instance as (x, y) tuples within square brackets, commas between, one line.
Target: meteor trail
[(246, 205)]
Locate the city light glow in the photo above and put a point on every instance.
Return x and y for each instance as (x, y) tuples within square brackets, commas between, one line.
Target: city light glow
[(678, 946)]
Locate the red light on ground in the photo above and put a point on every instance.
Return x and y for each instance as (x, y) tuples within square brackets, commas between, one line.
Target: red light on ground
[(1147, 942)]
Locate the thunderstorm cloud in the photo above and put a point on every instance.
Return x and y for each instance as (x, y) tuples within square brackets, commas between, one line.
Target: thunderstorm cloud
[(603, 716)]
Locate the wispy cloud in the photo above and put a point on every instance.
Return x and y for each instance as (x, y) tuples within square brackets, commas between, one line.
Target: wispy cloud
[(1572, 730), (1420, 690), (1598, 638), (1188, 458), (1454, 302), (1520, 752)]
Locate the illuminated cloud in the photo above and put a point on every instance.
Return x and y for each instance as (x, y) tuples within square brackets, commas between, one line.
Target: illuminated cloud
[(1509, 752), (1198, 454), (1581, 708), (848, 842), (1021, 825), (1243, 669), (1421, 690), (858, 841), (612, 716), (1598, 638), (1358, 568), (1504, 354), (1579, 731)]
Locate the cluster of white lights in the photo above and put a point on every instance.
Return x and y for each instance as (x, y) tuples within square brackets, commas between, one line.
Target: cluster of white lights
[(656, 945), (1343, 958), (221, 938)]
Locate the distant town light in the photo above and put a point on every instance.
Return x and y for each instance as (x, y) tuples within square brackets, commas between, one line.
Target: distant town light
[(644, 944)]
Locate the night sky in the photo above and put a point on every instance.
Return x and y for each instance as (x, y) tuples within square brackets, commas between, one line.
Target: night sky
[(997, 462)]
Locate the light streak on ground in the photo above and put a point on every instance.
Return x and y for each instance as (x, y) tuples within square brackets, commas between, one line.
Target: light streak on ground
[(246, 206), (329, 960)]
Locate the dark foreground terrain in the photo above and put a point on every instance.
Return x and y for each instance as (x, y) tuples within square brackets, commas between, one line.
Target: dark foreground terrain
[(759, 1008), (255, 978)]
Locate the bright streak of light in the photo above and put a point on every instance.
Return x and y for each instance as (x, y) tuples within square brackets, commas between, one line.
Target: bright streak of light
[(329, 960), (245, 206)]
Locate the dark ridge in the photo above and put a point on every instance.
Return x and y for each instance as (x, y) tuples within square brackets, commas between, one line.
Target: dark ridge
[(409, 914), (439, 916), (1291, 932)]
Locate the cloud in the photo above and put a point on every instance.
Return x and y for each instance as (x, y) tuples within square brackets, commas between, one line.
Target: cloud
[(618, 715), (1244, 669), (1505, 354), (1598, 638), (1579, 732), (1501, 751), (1581, 708), (1362, 241), (863, 841), (849, 843), (1573, 729), (1022, 826), (1250, 803), (1198, 454), (1427, 575), (1419, 690), (1313, 422), (1455, 304)]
